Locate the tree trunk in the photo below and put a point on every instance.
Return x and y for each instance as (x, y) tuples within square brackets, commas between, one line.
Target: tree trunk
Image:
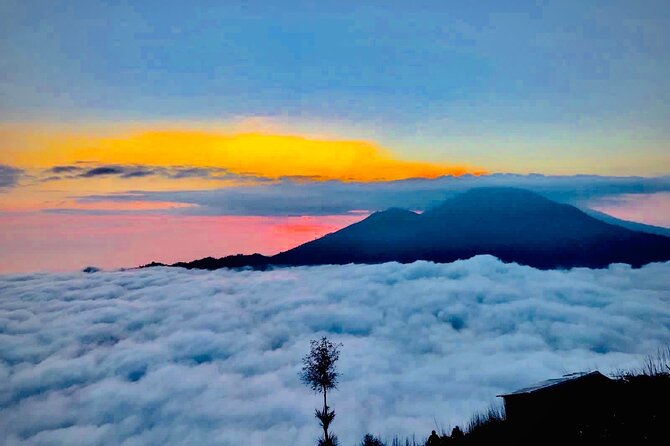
[(325, 411)]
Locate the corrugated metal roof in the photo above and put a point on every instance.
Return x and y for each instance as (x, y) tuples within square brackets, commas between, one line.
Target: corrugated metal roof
[(552, 382)]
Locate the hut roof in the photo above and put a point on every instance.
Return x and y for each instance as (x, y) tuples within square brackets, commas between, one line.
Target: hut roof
[(572, 377)]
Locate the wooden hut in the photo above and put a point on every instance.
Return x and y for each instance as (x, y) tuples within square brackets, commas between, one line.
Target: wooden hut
[(568, 399)]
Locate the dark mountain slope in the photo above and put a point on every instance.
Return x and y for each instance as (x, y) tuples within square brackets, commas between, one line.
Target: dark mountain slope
[(633, 226), (257, 261), (512, 224), (382, 237)]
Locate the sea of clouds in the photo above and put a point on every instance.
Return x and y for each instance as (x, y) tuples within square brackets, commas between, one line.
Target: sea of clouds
[(170, 356)]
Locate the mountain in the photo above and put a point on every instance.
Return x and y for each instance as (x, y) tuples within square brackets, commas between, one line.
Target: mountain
[(256, 261), (632, 225), (514, 225)]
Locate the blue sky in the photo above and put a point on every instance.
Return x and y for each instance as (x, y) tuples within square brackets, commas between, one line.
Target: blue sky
[(481, 77), (390, 62)]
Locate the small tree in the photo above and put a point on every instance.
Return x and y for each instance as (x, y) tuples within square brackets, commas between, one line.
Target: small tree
[(371, 440), (320, 374)]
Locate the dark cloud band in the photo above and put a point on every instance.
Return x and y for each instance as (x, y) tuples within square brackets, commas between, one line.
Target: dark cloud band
[(9, 176), (291, 197), (85, 170), (102, 171)]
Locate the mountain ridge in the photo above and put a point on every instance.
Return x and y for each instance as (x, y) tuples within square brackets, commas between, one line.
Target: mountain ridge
[(514, 225)]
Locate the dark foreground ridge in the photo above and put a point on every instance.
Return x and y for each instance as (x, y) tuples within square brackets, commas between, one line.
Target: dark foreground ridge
[(591, 409), (514, 225), (631, 408)]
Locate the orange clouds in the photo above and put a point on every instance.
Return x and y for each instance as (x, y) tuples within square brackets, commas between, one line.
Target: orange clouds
[(256, 154), (165, 155)]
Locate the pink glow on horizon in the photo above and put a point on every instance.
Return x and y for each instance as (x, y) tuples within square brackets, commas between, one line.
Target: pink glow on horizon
[(651, 209), (54, 242)]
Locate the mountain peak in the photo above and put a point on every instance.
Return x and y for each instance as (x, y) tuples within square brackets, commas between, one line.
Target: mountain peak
[(500, 195), (393, 213), (515, 225)]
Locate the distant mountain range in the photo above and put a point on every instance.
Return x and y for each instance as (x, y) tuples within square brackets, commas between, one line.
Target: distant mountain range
[(514, 225)]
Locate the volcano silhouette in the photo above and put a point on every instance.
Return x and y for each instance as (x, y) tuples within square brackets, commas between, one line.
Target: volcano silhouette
[(514, 225)]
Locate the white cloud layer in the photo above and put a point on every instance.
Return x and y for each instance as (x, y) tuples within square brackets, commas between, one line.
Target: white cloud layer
[(169, 356)]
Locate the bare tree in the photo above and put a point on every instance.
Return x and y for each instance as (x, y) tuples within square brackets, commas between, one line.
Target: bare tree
[(320, 374)]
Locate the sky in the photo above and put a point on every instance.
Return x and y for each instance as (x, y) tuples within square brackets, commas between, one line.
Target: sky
[(172, 356), (139, 131)]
